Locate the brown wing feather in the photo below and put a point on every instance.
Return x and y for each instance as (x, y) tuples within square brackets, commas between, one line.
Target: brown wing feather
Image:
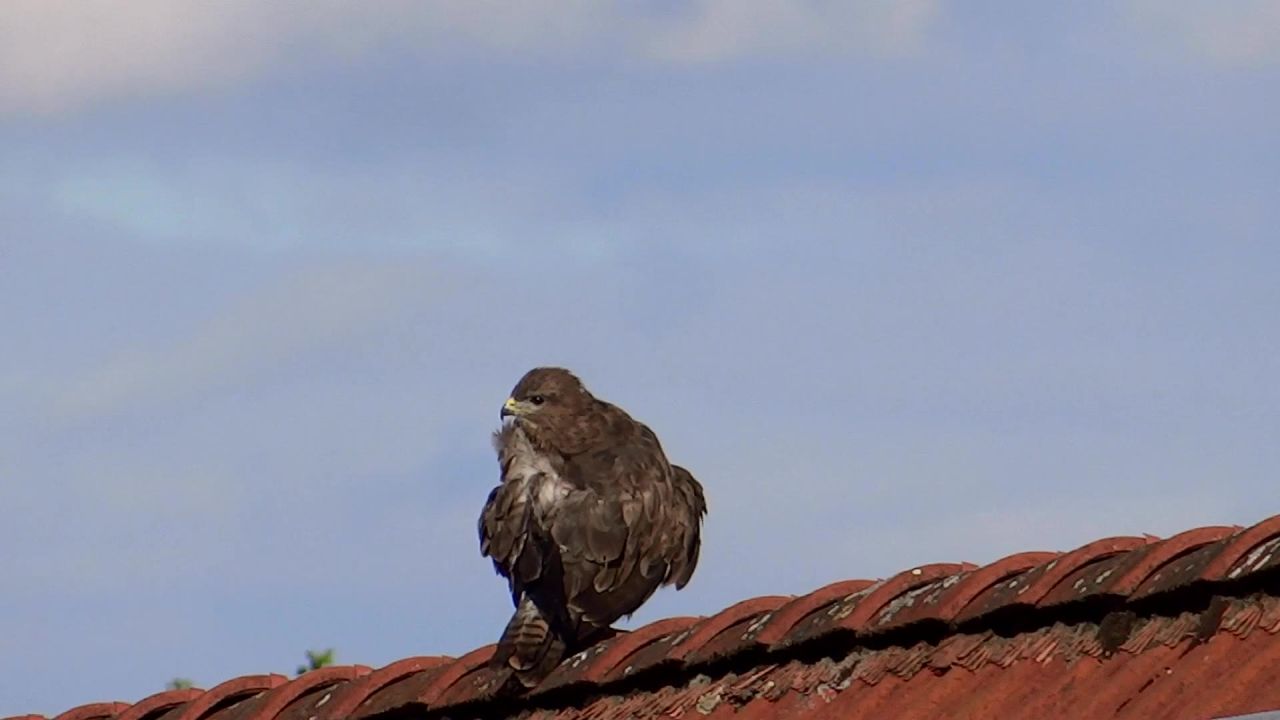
[(687, 512), (633, 527), (514, 536), (510, 534)]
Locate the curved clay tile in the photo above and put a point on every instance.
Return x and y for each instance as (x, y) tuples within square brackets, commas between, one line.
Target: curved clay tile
[(881, 602), (594, 663), (347, 698), (230, 690), (570, 669), (401, 689), (427, 687), (271, 703), (785, 619), (1263, 557), (738, 638), (93, 711), (1239, 557), (709, 628), (640, 649), (453, 672), (855, 612), (916, 605), (953, 601), (158, 703), (820, 615), (1181, 570), (1123, 574), (1030, 587), (1066, 564)]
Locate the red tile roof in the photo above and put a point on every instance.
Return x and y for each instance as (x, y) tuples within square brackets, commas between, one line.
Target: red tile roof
[(1128, 627)]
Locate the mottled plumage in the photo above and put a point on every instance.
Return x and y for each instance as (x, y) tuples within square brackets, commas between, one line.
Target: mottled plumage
[(590, 518)]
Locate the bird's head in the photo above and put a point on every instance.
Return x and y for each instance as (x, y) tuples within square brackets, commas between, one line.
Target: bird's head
[(546, 391)]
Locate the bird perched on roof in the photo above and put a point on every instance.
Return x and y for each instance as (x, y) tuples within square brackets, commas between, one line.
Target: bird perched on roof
[(590, 518)]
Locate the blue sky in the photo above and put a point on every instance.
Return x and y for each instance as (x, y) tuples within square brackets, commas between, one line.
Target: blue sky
[(902, 281)]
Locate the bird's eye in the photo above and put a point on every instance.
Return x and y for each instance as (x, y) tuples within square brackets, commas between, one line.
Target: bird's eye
[(537, 399)]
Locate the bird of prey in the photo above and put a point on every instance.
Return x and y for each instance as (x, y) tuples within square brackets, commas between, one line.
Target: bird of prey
[(590, 518)]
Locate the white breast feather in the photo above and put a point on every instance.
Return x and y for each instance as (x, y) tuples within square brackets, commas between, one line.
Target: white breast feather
[(534, 473)]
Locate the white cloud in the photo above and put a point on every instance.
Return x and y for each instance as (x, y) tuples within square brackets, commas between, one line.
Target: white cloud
[(725, 29), (316, 307), (1240, 33), (269, 204), (58, 55)]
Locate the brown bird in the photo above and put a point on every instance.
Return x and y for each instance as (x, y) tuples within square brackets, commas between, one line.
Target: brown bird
[(588, 521)]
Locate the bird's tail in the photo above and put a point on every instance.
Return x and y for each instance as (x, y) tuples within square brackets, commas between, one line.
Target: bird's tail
[(530, 646)]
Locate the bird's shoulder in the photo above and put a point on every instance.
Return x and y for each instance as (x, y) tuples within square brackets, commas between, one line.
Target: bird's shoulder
[(621, 460)]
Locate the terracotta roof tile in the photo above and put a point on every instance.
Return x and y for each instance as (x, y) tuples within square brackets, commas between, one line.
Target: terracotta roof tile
[(343, 698), (876, 603), (697, 637), (94, 711), (1252, 550), (735, 640), (154, 706), (947, 603), (785, 619), (641, 650), (425, 687), (1131, 627), (274, 702), (215, 701)]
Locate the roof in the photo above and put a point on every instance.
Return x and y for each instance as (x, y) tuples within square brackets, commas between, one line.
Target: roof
[(1126, 627)]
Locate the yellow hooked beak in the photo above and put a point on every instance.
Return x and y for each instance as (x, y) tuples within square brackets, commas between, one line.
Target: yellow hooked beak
[(510, 407)]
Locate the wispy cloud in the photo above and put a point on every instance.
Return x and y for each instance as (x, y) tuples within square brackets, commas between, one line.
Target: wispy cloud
[(60, 54), (1242, 33), (314, 307), (730, 29), (57, 55), (271, 204)]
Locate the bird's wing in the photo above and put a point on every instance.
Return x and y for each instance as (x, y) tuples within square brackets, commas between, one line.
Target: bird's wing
[(620, 534), (509, 531), (689, 505), (505, 538)]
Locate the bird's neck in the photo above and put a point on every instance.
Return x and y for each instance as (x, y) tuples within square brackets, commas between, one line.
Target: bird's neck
[(570, 436)]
